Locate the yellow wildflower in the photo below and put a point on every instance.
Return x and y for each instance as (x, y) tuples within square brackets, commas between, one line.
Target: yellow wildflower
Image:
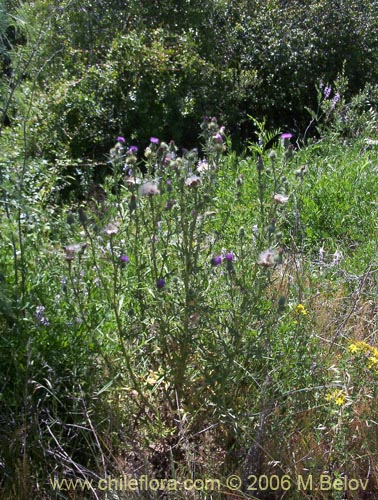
[(363, 346), (337, 396), (373, 362), (360, 345), (301, 309), (340, 400), (353, 348)]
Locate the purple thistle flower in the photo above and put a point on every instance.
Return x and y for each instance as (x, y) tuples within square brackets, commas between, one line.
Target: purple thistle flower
[(160, 283), (216, 261), (121, 139), (286, 135), (132, 149), (154, 140), (218, 137), (229, 257), (124, 259)]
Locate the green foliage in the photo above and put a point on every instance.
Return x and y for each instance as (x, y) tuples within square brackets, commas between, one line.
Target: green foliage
[(99, 71)]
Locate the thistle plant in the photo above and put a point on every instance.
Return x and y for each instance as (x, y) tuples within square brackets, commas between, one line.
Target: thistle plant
[(182, 307)]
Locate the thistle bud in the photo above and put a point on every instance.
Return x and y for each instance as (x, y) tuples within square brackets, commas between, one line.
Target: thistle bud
[(132, 203), (281, 303), (272, 155), (271, 228), (289, 152), (279, 236), (260, 164), (70, 218), (82, 216), (240, 180), (278, 259)]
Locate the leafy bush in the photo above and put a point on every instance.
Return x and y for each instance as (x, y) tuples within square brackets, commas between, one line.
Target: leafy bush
[(145, 71)]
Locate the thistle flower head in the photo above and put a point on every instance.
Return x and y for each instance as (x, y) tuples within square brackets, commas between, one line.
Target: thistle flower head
[(149, 189), (160, 283), (121, 139), (192, 180), (286, 135), (267, 258), (202, 166), (110, 229), (131, 180), (73, 249), (218, 138), (216, 261), (154, 140), (280, 198)]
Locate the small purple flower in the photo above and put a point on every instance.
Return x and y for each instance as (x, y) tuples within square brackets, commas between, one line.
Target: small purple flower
[(132, 150), (154, 140), (286, 135), (229, 257), (160, 283), (216, 261), (327, 92), (336, 99), (39, 310), (218, 137), (121, 139), (124, 258), (40, 315)]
